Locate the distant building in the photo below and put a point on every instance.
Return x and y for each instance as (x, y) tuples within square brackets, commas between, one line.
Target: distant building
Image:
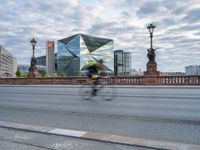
[(172, 73), (118, 62), (122, 63), (41, 61), (8, 64), (24, 68), (192, 70), (134, 72), (74, 52), (50, 57), (140, 72), (127, 63)]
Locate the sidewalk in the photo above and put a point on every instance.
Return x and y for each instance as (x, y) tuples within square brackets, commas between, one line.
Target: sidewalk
[(40, 137), (12, 139)]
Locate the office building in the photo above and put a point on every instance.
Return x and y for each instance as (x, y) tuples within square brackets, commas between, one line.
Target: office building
[(74, 52), (41, 61), (24, 68), (50, 57), (172, 73), (122, 63), (8, 63), (118, 62), (192, 70), (127, 63)]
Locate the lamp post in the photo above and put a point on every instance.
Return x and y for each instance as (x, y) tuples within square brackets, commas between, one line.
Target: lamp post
[(33, 43), (33, 59), (151, 27), (151, 64), (151, 52), (33, 71)]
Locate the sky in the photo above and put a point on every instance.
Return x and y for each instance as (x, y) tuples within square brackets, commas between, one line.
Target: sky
[(177, 33)]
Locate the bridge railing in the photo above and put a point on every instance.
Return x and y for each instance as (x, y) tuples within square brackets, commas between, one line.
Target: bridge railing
[(179, 80), (132, 80)]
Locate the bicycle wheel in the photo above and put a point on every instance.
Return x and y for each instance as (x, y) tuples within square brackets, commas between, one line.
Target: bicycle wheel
[(107, 92), (85, 92)]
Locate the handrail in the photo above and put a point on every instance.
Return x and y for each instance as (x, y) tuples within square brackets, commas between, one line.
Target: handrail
[(129, 80)]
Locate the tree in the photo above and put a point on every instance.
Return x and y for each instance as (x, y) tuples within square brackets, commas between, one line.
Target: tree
[(62, 73), (24, 75), (43, 73), (18, 73)]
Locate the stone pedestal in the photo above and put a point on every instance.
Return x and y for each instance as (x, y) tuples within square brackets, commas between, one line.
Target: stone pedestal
[(151, 69), (151, 76), (33, 72)]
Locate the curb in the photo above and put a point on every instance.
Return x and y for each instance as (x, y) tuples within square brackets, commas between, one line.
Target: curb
[(101, 137)]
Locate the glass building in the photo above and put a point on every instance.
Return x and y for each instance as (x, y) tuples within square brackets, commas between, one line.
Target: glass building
[(122, 63), (118, 62), (41, 61), (127, 63), (192, 70), (74, 52)]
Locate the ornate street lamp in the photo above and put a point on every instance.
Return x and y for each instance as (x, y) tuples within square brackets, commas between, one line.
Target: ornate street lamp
[(151, 64), (33, 59), (151, 27), (33, 71), (33, 43), (151, 52)]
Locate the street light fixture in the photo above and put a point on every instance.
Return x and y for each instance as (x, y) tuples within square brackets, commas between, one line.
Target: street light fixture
[(33, 43), (151, 64), (151, 27), (33, 71), (151, 52), (151, 74)]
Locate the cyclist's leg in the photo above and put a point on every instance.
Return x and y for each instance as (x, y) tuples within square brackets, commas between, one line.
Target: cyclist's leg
[(94, 84)]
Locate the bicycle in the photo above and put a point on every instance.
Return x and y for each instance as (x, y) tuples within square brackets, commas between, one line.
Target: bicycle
[(103, 89)]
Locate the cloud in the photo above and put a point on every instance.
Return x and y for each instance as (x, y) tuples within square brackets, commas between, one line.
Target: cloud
[(192, 16), (177, 31), (146, 10)]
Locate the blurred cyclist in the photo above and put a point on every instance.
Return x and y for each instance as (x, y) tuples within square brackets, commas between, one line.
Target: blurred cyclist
[(95, 68)]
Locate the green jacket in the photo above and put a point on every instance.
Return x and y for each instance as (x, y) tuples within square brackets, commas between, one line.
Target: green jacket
[(93, 64), (93, 67)]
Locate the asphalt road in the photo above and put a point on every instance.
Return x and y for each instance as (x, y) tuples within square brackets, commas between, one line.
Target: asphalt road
[(158, 113)]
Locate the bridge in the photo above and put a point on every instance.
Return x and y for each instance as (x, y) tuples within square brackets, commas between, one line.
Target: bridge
[(132, 80)]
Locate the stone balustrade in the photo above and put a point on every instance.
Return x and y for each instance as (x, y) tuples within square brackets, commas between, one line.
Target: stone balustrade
[(132, 80), (180, 80)]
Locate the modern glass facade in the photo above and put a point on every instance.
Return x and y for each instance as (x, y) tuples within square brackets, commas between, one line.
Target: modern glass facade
[(127, 63), (118, 62), (122, 63), (74, 52), (41, 61), (192, 70)]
